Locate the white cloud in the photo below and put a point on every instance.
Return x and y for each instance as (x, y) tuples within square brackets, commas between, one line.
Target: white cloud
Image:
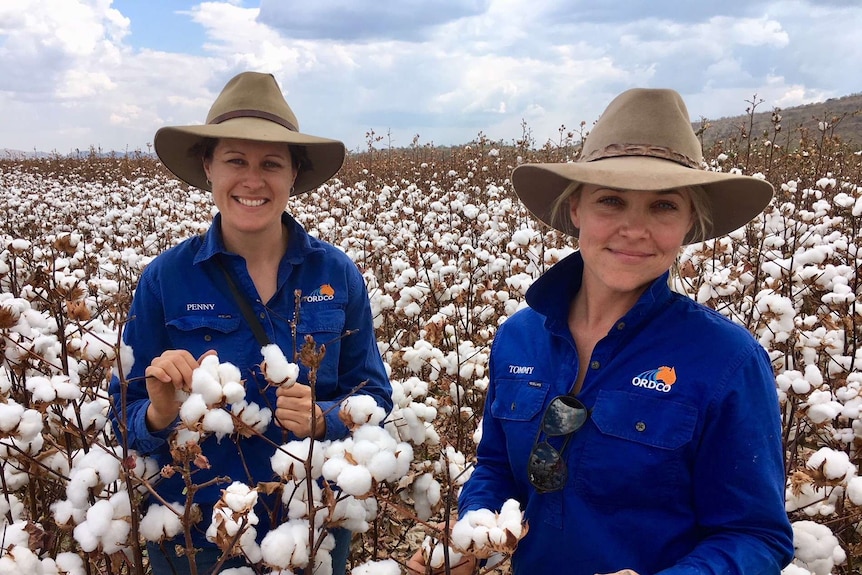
[(71, 80)]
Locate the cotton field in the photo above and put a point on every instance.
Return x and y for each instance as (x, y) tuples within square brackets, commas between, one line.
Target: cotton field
[(447, 253)]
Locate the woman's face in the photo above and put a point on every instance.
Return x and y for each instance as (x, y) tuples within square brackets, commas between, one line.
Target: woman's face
[(629, 238), (251, 183)]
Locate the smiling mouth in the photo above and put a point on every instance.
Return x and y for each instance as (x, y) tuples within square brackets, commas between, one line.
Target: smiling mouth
[(251, 203), (630, 254)]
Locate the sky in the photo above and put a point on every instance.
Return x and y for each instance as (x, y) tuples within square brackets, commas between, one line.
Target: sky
[(106, 74)]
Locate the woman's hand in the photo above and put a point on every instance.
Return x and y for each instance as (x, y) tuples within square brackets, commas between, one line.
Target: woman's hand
[(293, 409), (416, 566), (623, 572), (168, 373)]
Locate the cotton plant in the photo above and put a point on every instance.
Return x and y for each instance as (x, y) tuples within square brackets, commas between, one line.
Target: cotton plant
[(98, 474), (106, 525), (287, 547), (216, 385), (817, 550), (413, 413), (233, 522), (368, 457), (161, 522), (481, 533), (819, 488)]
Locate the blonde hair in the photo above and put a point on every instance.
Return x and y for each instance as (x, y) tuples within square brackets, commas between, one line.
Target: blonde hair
[(701, 208)]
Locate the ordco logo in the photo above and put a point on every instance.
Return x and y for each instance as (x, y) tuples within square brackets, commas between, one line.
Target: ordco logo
[(660, 379), (323, 293)]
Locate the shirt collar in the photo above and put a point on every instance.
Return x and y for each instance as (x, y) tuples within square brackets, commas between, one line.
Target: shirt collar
[(552, 294), (298, 247)]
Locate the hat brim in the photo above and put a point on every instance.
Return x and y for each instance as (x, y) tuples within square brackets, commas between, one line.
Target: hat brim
[(733, 199), (174, 144)]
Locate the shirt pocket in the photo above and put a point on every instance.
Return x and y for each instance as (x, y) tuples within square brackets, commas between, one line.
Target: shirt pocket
[(325, 326), (636, 452), (199, 333), (518, 406)]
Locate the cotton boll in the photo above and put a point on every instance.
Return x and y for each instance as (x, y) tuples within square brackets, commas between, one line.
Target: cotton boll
[(353, 514), (288, 461), (375, 435), (426, 495), (437, 557), (116, 538), (160, 522), (239, 497), (40, 389), (14, 534), (355, 480), (276, 368), (219, 422), (462, 535), (10, 415), (233, 391), (816, 547), (363, 450), (854, 491), (99, 517), (835, 464), (384, 567), (79, 485), (210, 365), (238, 571), (11, 505), (65, 512), (361, 409), (252, 415), (30, 425), (20, 560), (88, 540), (228, 373), (65, 388), (207, 384), (70, 564), (193, 409), (278, 546), (333, 467), (187, 436), (126, 359), (403, 459), (383, 466)]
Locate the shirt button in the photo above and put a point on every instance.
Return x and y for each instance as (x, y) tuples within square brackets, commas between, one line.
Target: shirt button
[(621, 326), (513, 406), (208, 337), (595, 365), (640, 426), (262, 315)]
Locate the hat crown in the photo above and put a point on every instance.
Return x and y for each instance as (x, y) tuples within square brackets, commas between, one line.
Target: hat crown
[(645, 122), (252, 95)]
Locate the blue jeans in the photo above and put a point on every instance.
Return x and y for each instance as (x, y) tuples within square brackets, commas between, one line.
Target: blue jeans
[(167, 563)]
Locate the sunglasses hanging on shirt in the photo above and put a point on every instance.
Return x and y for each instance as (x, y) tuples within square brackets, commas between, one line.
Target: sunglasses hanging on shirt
[(547, 470)]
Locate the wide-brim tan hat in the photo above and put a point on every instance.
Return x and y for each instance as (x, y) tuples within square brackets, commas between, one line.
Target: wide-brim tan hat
[(643, 141), (250, 107)]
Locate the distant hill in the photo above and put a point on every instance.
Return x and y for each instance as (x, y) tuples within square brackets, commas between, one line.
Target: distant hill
[(843, 117)]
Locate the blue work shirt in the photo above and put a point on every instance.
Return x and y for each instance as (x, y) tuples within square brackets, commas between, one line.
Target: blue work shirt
[(679, 467), (182, 302)]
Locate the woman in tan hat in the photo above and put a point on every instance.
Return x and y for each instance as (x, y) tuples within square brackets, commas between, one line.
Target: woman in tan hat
[(236, 289), (639, 430)]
